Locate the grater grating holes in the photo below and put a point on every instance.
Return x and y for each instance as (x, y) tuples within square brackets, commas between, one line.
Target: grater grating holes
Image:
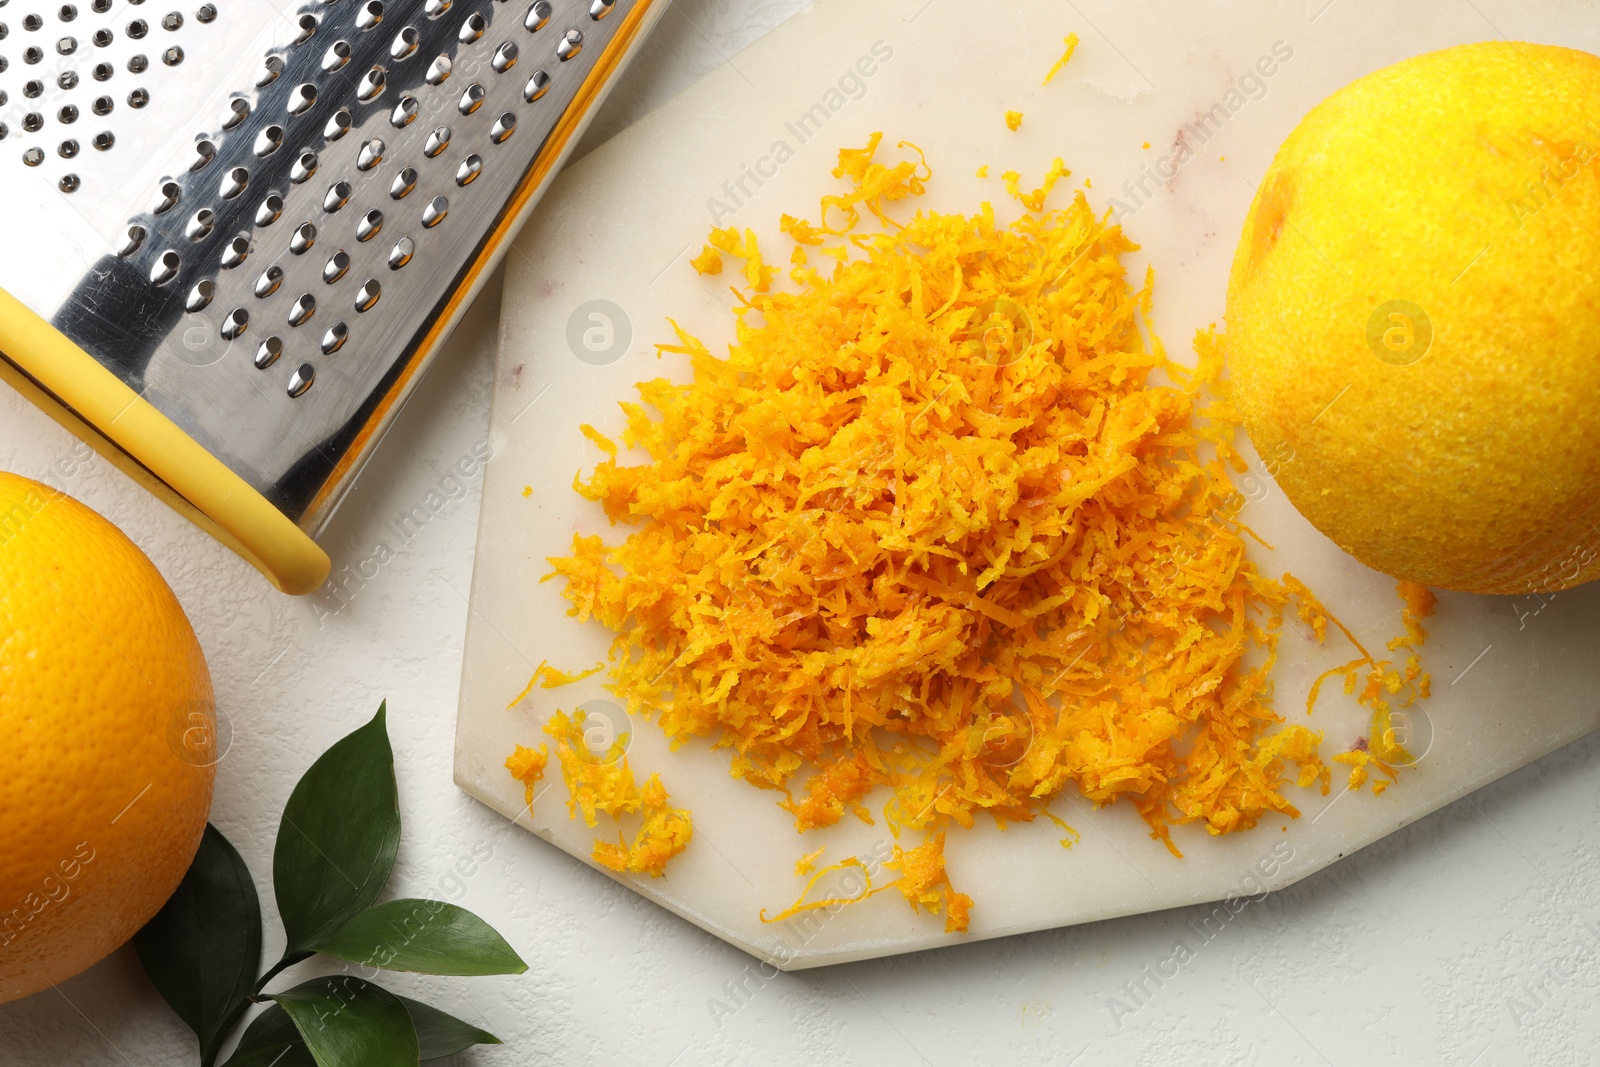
[(171, 192), (200, 224), (268, 141), (268, 283), (338, 196), (166, 267), (234, 183), (338, 125), (237, 250), (305, 235), (371, 85), (236, 322), (403, 183), (131, 242), (303, 308), (371, 154), (270, 211), (302, 98), (332, 78), (401, 253), (200, 297), (269, 351), (405, 44), (70, 45)]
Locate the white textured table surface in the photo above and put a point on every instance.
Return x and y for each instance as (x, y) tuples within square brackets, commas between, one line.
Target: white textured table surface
[(1472, 937)]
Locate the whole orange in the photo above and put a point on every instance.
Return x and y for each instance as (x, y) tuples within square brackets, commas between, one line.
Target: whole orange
[(108, 727)]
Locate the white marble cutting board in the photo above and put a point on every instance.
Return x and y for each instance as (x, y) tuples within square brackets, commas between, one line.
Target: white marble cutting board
[(1514, 678)]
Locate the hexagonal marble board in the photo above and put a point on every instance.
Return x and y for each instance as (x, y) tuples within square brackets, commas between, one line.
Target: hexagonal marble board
[(1513, 677)]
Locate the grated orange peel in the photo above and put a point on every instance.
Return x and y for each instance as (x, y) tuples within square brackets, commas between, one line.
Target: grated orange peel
[(944, 521), (603, 783)]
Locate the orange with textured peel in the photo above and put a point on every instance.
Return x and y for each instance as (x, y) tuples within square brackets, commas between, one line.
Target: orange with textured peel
[(108, 761), (1414, 318)]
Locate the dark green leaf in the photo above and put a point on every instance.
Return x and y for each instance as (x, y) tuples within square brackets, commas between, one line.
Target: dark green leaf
[(271, 1040), (347, 1022), (202, 949), (442, 1035), (338, 837), (422, 935)]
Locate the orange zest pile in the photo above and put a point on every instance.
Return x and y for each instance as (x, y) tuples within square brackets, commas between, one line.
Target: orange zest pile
[(945, 521)]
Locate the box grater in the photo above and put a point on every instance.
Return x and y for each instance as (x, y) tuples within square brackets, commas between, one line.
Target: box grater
[(237, 232)]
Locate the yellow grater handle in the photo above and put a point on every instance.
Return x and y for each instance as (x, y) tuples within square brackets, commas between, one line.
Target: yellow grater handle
[(49, 369)]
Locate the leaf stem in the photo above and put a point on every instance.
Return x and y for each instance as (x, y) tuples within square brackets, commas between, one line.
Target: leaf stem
[(208, 1057), (289, 960)]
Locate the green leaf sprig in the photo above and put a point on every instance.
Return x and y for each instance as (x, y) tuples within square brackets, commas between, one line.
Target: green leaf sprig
[(334, 854)]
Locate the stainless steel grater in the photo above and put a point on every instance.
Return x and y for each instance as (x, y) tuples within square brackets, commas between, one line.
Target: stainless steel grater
[(237, 233)]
